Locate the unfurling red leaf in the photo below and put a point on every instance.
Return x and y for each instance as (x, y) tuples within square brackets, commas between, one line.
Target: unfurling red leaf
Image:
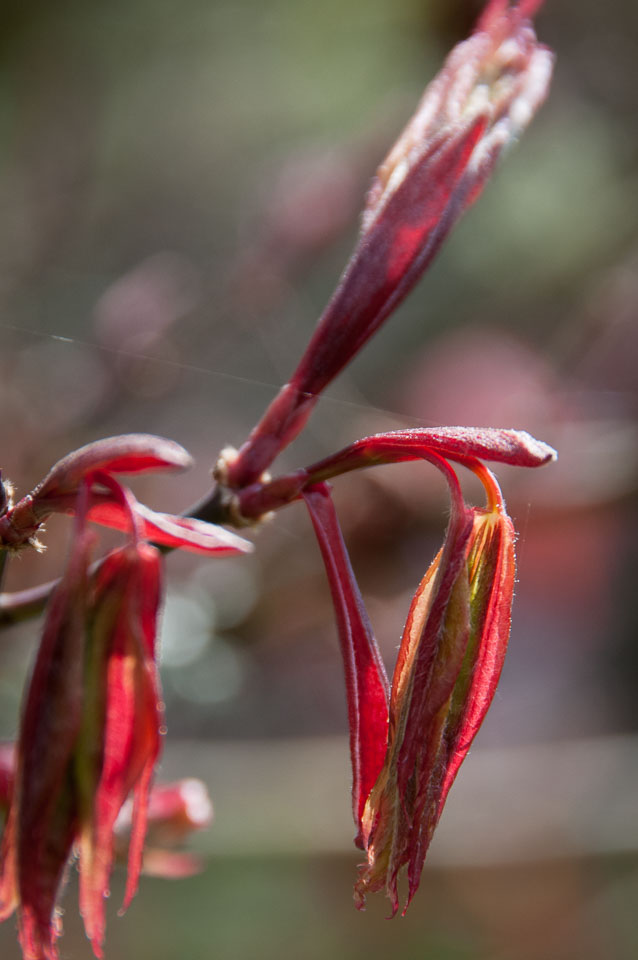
[(449, 663)]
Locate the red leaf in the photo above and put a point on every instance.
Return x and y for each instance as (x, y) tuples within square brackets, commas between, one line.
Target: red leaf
[(366, 682), (129, 453), (461, 444), (43, 815), (170, 531), (129, 584), (449, 663), (492, 629), (395, 247)]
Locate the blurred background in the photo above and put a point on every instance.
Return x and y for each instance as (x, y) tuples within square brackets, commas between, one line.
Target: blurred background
[(180, 185)]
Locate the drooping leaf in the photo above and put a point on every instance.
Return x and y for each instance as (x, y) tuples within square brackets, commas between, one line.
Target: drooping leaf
[(366, 682)]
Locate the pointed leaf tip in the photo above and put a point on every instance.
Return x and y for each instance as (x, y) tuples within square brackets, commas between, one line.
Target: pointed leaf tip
[(464, 445), (515, 447)]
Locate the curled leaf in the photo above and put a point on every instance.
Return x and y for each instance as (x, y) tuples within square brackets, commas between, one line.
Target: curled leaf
[(462, 444), (129, 453)]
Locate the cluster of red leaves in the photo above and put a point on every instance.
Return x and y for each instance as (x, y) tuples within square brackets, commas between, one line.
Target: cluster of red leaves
[(90, 730), (408, 741)]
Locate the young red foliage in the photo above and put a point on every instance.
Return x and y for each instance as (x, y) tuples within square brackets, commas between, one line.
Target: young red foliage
[(129, 453), (483, 98), (365, 678), (449, 660)]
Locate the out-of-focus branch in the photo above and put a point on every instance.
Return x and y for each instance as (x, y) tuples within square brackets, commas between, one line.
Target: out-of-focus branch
[(24, 604)]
